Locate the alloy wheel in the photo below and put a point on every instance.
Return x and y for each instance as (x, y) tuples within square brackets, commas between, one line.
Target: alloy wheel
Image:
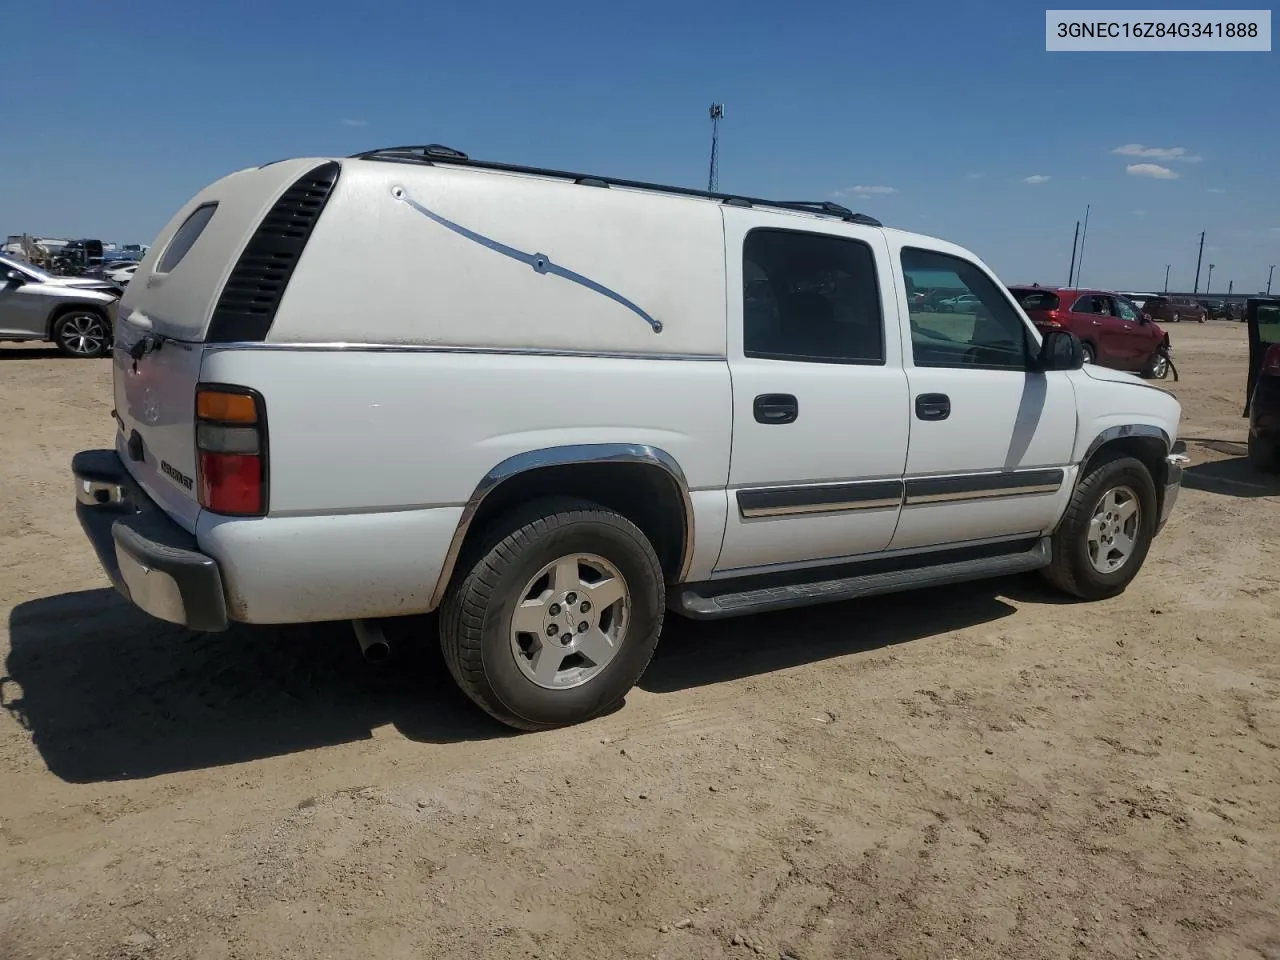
[(570, 621)]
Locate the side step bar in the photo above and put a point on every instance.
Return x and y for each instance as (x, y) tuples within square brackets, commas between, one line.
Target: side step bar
[(702, 602)]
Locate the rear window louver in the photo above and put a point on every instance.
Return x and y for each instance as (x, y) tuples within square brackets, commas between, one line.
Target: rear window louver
[(253, 292)]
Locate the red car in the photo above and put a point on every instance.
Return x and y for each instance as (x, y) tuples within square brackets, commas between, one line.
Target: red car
[(1115, 333)]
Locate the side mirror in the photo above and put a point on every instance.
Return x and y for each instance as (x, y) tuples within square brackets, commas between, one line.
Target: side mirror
[(15, 277), (1060, 350)]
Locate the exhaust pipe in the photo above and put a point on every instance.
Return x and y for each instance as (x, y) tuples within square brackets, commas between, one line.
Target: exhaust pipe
[(373, 642)]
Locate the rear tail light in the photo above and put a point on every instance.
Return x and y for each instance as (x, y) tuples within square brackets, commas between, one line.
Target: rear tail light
[(231, 450), (1053, 319), (1271, 361)]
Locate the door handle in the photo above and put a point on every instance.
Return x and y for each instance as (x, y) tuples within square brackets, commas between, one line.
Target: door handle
[(776, 408), (933, 406), (1097, 323)]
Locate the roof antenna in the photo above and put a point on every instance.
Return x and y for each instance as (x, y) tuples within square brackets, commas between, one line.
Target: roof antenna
[(716, 113)]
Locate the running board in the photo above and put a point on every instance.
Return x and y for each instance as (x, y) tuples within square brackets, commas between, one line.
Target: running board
[(701, 602)]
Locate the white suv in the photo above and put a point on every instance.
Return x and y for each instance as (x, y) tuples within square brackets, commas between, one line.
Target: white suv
[(554, 406)]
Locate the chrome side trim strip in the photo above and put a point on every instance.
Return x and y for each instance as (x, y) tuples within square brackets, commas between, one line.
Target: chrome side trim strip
[(561, 456), (343, 347), (814, 498), (992, 494), (750, 513), (983, 486)]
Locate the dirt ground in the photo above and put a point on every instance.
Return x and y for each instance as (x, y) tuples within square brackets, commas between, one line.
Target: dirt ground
[(979, 772)]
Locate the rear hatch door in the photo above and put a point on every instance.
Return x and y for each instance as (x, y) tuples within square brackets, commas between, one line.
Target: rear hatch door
[(164, 320)]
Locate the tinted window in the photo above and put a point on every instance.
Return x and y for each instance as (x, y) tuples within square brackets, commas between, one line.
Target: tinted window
[(185, 237), (1035, 299), (810, 297), (988, 333)]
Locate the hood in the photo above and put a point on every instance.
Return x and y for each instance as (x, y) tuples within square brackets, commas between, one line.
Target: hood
[(1096, 372), (80, 283)]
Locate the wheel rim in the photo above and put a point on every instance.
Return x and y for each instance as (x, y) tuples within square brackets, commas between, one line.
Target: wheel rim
[(1160, 367), (1088, 354), (1113, 531), (83, 333), (570, 621)]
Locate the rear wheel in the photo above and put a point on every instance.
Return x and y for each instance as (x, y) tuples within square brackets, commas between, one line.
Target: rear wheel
[(557, 615), (1177, 318), (1104, 536), (1089, 356), (1264, 454), (82, 333)]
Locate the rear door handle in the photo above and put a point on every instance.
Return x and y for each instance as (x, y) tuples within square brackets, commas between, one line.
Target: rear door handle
[(933, 406), (776, 408)]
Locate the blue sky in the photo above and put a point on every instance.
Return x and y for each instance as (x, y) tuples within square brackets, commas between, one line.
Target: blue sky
[(118, 113)]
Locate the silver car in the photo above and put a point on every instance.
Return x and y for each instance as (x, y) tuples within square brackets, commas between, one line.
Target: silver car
[(77, 315)]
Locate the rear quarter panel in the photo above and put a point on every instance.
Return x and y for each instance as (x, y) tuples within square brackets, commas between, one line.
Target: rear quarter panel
[(373, 454)]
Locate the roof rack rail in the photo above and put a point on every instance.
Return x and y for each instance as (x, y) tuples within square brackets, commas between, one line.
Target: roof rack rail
[(429, 151), (832, 209), (436, 153)]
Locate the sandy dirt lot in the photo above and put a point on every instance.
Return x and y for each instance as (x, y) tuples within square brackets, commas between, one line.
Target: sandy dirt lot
[(979, 772)]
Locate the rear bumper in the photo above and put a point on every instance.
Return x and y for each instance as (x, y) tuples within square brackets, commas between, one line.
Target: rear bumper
[(150, 559)]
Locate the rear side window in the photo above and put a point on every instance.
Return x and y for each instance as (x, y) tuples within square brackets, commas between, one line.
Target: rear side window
[(186, 236), (1035, 299), (810, 297)]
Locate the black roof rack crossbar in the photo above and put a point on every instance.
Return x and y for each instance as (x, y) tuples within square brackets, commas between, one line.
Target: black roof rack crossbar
[(435, 153)]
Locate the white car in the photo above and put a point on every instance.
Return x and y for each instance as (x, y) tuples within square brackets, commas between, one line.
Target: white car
[(120, 273), (553, 407)]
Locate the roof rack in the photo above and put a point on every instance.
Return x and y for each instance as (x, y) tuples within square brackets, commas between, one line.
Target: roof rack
[(433, 153)]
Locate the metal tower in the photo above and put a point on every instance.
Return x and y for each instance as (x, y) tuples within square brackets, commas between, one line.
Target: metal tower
[(716, 113)]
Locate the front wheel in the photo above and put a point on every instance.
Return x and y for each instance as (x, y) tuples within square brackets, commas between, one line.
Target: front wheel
[(1105, 534), (1158, 366), (82, 334), (557, 615)]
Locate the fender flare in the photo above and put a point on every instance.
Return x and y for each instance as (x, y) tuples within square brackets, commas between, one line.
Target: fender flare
[(635, 453)]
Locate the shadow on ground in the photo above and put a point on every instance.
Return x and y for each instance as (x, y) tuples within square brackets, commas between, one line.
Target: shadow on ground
[(1232, 478), (38, 353), (107, 693)]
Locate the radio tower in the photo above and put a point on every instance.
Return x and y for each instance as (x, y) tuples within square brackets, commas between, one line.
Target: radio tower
[(713, 177)]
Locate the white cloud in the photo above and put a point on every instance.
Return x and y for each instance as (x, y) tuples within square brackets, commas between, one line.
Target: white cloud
[(1157, 153), (355, 123), (865, 191), (1216, 190), (1152, 170), (1036, 178)]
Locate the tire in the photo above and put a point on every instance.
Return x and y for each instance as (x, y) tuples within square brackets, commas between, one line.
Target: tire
[(1264, 455), (1072, 568), (1157, 366), (498, 666), (83, 334), (1089, 355), (1177, 318)]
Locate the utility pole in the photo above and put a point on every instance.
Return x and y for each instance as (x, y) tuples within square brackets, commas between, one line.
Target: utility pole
[(1208, 280), (1166, 277), (1231, 285), (1199, 257), (716, 113), (1083, 237), (1074, 240), (1270, 270)]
